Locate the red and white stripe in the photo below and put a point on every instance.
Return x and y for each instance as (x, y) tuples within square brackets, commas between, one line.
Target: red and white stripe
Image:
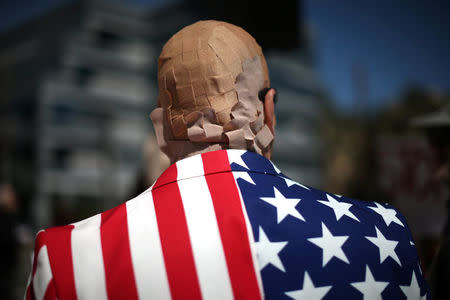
[(146, 251), (187, 237)]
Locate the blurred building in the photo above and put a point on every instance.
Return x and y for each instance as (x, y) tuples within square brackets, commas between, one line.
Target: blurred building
[(299, 145), (75, 103), (78, 83)]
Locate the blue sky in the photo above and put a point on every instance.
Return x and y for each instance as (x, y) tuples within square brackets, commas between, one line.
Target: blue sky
[(396, 42)]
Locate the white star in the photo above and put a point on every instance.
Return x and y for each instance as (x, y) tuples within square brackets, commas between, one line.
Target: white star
[(412, 243), (285, 206), (244, 175), (370, 288), (340, 208), (331, 245), (267, 251), (388, 214), (235, 156), (411, 291), (290, 183), (309, 291), (385, 246), (275, 168)]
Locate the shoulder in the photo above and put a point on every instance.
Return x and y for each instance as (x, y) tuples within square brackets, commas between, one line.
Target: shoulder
[(327, 204), (334, 237), (283, 204), (55, 236), (368, 214), (105, 218), (63, 252)]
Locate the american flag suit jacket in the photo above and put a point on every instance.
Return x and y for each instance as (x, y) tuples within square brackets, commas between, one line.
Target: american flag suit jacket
[(229, 225)]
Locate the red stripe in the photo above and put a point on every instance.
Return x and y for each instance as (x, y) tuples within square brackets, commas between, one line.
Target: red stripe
[(29, 292), (50, 293), (59, 246), (119, 274), (168, 176), (174, 235), (232, 225)]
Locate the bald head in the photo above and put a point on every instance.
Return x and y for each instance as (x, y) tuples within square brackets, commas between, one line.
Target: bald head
[(209, 76)]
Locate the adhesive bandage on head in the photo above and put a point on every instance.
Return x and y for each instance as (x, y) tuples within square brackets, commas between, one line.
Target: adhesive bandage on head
[(209, 76)]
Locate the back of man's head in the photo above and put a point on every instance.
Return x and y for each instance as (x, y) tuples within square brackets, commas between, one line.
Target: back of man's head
[(209, 77)]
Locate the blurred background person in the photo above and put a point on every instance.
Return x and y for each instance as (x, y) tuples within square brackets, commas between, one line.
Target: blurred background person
[(437, 129), (8, 238), (16, 242)]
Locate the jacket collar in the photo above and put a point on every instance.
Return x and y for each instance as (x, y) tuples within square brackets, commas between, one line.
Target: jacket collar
[(227, 161)]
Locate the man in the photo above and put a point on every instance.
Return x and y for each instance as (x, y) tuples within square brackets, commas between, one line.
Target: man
[(437, 128), (226, 224)]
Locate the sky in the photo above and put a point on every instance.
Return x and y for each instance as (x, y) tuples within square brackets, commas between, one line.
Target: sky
[(396, 43)]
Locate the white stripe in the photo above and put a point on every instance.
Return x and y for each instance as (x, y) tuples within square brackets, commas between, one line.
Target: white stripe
[(43, 274), (204, 233), (88, 259), (251, 236), (146, 251), (190, 167)]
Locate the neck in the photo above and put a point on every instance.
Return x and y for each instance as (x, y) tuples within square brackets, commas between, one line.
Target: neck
[(179, 152), (182, 149)]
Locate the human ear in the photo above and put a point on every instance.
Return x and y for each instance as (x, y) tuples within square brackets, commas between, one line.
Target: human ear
[(269, 110)]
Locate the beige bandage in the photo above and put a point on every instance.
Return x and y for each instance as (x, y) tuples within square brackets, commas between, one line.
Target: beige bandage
[(209, 77)]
